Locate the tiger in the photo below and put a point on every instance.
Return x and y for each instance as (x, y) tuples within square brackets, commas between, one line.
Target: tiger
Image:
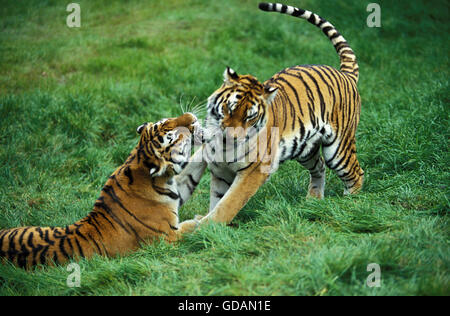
[(307, 113), (138, 204)]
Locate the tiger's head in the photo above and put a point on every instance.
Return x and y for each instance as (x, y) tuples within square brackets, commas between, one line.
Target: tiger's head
[(240, 103), (165, 147)]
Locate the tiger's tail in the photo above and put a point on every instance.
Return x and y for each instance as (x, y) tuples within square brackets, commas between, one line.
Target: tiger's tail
[(347, 57), (30, 246)]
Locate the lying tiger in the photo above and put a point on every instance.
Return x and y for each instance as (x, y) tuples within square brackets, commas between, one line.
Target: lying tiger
[(138, 203), (297, 112)]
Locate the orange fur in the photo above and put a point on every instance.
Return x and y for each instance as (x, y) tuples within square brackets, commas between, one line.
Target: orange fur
[(138, 203), (311, 107)]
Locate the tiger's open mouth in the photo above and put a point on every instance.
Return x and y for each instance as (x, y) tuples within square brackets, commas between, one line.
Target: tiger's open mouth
[(181, 152)]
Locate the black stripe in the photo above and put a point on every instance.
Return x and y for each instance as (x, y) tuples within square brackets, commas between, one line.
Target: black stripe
[(62, 249), (300, 151), (340, 45), (30, 240), (297, 12), (239, 159), (293, 90), (247, 167), (331, 71), (351, 171), (110, 191), (347, 161), (343, 97), (340, 145), (217, 97), (327, 29), (308, 92), (312, 19), (321, 21), (311, 154), (264, 6), (221, 179), (321, 71), (43, 256), (129, 175), (2, 236), (24, 252), (80, 249), (95, 243), (69, 242), (41, 233), (344, 150), (193, 182), (167, 192), (219, 195), (35, 249), (107, 219), (149, 149), (91, 219), (21, 235), (12, 252), (113, 177), (80, 234), (319, 92), (102, 205), (22, 258), (294, 147), (139, 238), (46, 238), (335, 35)]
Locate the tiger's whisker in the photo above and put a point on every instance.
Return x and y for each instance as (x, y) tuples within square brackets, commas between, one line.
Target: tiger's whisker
[(190, 104), (200, 104), (181, 104)]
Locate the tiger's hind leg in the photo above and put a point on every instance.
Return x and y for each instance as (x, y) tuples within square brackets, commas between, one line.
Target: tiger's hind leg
[(340, 156), (316, 166)]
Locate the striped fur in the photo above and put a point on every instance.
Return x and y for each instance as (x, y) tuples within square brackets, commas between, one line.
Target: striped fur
[(312, 107), (349, 66), (138, 203)]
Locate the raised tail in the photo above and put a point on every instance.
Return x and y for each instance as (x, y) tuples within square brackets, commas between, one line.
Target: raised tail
[(347, 57)]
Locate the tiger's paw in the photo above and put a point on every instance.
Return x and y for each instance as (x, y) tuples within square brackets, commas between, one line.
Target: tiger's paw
[(315, 192), (198, 217), (356, 187), (188, 226)]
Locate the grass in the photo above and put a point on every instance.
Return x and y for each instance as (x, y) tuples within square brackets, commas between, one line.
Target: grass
[(71, 99)]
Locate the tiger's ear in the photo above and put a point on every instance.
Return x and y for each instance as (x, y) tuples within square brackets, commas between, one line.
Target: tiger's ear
[(141, 128), (229, 75), (270, 93)]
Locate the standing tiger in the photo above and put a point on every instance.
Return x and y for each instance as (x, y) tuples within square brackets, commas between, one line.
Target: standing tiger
[(298, 111), (138, 203)]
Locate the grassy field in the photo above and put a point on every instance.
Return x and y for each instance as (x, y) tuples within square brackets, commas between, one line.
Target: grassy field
[(71, 99)]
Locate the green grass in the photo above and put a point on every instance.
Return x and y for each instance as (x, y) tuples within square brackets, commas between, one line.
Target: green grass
[(71, 99)]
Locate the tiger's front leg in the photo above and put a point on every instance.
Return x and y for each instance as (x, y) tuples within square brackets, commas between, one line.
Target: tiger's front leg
[(182, 229), (189, 178), (244, 186), (220, 184)]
